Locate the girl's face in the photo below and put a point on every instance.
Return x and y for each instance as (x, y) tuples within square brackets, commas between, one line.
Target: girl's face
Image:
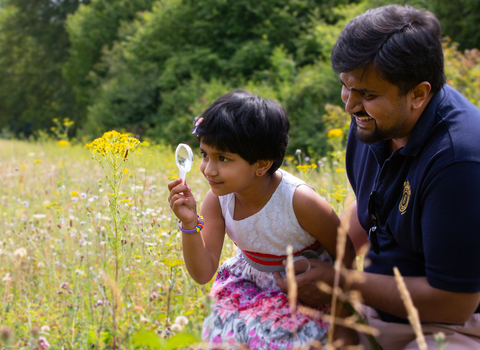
[(226, 172)]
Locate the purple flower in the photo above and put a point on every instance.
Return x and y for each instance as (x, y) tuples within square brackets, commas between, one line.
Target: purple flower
[(43, 343)]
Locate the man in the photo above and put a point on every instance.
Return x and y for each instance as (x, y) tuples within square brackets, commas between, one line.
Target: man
[(413, 161)]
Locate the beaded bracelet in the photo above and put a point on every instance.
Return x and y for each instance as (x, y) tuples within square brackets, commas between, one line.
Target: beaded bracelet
[(198, 228)]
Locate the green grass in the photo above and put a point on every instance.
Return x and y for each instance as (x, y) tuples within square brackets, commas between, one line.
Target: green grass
[(55, 265)]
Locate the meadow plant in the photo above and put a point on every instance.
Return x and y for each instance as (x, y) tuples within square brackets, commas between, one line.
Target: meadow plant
[(112, 152)]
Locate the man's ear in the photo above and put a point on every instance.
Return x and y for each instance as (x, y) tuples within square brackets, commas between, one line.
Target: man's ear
[(263, 166), (421, 96)]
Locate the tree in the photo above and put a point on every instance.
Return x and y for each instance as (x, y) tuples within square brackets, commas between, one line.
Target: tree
[(166, 60), (92, 30), (33, 47)]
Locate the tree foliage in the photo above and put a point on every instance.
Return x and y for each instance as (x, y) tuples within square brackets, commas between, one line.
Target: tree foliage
[(150, 66), (33, 47), (173, 56)]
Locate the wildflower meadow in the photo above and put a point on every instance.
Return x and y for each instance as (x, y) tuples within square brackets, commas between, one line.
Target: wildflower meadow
[(90, 255)]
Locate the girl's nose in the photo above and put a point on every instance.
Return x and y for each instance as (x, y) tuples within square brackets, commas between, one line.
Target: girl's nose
[(209, 168)]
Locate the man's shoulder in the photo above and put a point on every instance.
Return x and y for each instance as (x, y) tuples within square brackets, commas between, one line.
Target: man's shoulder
[(457, 131)]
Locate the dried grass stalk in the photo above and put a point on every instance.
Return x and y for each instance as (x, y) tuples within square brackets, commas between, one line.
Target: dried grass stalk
[(351, 322), (291, 281), (341, 242), (411, 309)]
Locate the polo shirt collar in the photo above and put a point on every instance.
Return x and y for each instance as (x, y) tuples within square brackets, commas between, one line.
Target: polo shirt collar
[(423, 127)]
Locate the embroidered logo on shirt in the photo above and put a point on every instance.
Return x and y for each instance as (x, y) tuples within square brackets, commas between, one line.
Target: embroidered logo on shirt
[(405, 198)]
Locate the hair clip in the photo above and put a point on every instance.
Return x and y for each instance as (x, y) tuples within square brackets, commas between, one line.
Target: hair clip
[(199, 121)]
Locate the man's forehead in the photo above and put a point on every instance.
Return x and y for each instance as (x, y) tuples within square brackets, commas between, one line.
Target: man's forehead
[(367, 80)]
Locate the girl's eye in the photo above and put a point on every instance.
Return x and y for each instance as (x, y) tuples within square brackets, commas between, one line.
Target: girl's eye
[(223, 159), (204, 155)]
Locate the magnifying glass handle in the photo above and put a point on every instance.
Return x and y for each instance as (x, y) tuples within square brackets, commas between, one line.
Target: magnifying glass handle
[(182, 175)]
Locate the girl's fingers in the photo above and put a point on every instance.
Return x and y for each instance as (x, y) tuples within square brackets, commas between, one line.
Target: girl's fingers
[(178, 203), (185, 190), (174, 183)]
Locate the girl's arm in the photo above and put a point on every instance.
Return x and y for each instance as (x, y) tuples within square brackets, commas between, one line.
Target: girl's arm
[(202, 250), (317, 217), (356, 232)]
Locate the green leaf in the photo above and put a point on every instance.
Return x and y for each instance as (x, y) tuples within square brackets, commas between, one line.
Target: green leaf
[(149, 339), (181, 340), (92, 337)]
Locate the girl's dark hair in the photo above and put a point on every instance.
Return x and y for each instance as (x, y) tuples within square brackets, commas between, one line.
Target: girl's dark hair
[(253, 127), (401, 42)]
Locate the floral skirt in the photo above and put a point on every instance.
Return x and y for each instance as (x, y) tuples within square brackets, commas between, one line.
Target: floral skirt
[(251, 310)]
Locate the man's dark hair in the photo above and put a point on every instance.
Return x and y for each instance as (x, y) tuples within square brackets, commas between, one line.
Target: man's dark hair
[(402, 43), (253, 127)]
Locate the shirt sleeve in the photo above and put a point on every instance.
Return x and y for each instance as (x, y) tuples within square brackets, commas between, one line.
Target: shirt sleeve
[(451, 228)]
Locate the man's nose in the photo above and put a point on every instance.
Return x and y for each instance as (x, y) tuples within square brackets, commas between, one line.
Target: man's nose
[(353, 103)]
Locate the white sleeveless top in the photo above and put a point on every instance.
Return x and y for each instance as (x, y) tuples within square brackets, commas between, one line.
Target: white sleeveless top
[(274, 227)]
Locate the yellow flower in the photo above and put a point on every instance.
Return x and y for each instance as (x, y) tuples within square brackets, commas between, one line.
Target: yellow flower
[(67, 122), (340, 170), (112, 143), (125, 171), (63, 143), (74, 194), (335, 133), (23, 166)]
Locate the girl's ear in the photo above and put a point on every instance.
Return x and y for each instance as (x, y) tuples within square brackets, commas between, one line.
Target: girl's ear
[(263, 166)]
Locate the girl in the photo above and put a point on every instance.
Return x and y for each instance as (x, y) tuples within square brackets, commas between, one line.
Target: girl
[(263, 209)]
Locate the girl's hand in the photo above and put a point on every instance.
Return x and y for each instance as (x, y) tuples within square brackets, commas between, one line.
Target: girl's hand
[(183, 204)]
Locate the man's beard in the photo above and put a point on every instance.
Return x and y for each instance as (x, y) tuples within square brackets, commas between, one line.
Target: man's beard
[(364, 137)]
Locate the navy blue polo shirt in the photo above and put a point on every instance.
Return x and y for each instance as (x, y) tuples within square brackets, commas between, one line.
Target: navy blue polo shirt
[(427, 197)]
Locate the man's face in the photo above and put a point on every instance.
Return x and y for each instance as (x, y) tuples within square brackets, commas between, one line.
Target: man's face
[(378, 111)]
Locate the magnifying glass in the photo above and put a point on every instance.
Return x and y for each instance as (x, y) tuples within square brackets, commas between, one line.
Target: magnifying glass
[(184, 160)]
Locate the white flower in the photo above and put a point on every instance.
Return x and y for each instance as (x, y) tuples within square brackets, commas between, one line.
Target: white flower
[(176, 327), (181, 320), (80, 272), (39, 216), (7, 278), (144, 319), (20, 252), (298, 151), (45, 329)]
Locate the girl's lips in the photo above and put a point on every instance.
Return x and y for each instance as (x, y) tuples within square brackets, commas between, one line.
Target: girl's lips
[(213, 183)]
